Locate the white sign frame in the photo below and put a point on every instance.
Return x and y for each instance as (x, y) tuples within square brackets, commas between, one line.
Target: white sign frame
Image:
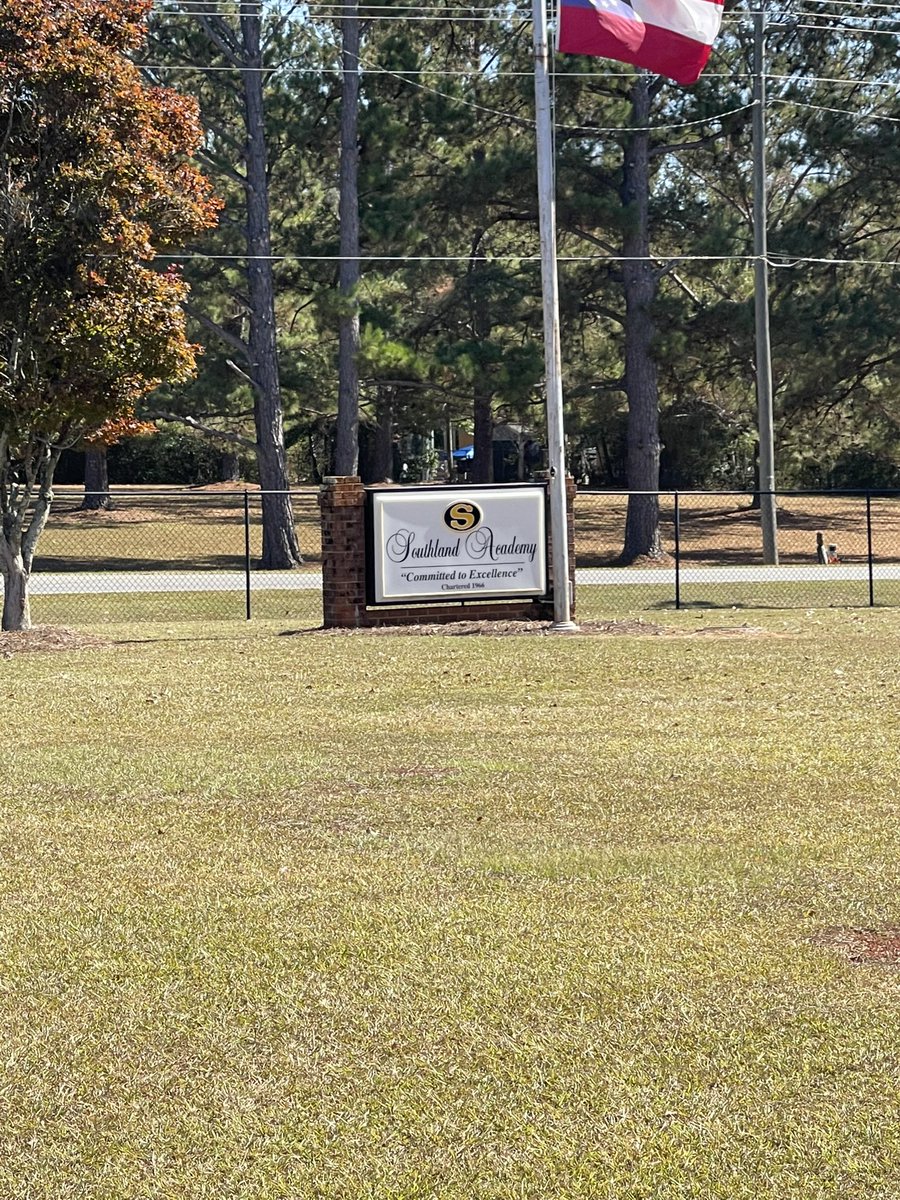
[(491, 546)]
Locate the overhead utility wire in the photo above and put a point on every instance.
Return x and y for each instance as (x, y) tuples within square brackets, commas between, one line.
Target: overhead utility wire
[(383, 18), (585, 131), (171, 5), (849, 112), (852, 4), (839, 16), (322, 9), (333, 13), (836, 28), (775, 259), (882, 83), (441, 72)]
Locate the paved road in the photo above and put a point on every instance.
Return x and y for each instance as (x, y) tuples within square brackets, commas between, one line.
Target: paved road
[(62, 583)]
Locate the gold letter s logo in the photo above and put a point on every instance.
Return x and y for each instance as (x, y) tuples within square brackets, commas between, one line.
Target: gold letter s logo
[(462, 516)]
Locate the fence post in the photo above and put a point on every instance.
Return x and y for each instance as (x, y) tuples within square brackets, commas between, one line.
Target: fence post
[(247, 551), (677, 553), (869, 541)]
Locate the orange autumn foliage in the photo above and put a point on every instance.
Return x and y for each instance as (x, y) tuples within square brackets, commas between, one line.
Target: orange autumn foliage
[(96, 181), (116, 429)]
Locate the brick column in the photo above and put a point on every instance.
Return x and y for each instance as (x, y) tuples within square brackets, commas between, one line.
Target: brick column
[(342, 501)]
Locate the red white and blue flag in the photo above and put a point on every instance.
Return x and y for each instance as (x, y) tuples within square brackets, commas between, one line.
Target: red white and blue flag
[(669, 37)]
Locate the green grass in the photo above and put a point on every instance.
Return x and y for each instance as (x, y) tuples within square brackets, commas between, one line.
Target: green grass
[(652, 601), (301, 606), (380, 917), (649, 597)]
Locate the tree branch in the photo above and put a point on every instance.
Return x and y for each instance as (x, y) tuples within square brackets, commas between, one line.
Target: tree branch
[(669, 269), (696, 144), (230, 339), (221, 168), (595, 241), (222, 37), (49, 459), (225, 435)]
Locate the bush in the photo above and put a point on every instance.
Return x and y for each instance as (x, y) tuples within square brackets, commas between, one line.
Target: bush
[(172, 456), (855, 467)]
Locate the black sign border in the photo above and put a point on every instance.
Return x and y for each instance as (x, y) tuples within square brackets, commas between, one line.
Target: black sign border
[(456, 489)]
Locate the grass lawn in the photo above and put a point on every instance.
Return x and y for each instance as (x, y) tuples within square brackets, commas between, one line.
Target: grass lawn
[(397, 918)]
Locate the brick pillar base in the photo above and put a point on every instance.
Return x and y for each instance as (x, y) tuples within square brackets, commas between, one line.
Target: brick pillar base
[(342, 502)]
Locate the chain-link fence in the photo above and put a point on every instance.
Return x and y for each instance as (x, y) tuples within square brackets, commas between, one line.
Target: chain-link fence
[(834, 549), (170, 554)]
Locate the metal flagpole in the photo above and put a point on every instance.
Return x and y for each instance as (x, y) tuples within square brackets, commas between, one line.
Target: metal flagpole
[(562, 595), (761, 298)]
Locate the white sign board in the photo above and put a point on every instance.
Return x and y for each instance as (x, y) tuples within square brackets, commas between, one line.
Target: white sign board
[(457, 543)]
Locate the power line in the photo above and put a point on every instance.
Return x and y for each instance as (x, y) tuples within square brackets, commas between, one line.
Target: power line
[(162, 5), (858, 31), (590, 129), (500, 73), (866, 4), (473, 71), (882, 83), (864, 116), (440, 72), (312, 6), (322, 16), (775, 259)]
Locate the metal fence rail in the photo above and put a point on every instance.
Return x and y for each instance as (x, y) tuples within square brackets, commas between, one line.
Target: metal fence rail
[(175, 554)]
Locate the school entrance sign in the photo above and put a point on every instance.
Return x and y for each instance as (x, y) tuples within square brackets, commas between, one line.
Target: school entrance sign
[(431, 554), (438, 544)]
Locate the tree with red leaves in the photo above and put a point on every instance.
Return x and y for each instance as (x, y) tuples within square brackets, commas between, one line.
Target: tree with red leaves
[(95, 180)]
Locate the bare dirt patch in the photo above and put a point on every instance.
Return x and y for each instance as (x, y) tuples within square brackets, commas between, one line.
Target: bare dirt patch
[(43, 638), (230, 485), (864, 947), (107, 516)]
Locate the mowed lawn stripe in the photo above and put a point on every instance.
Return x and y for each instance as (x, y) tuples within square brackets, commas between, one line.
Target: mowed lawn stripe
[(405, 917)]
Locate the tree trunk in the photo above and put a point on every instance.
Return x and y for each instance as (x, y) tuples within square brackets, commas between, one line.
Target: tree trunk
[(279, 547), (96, 479), (604, 457), (24, 508), (483, 439), (482, 395), (16, 608), (346, 455), (641, 284), (230, 467), (377, 449), (384, 438)]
